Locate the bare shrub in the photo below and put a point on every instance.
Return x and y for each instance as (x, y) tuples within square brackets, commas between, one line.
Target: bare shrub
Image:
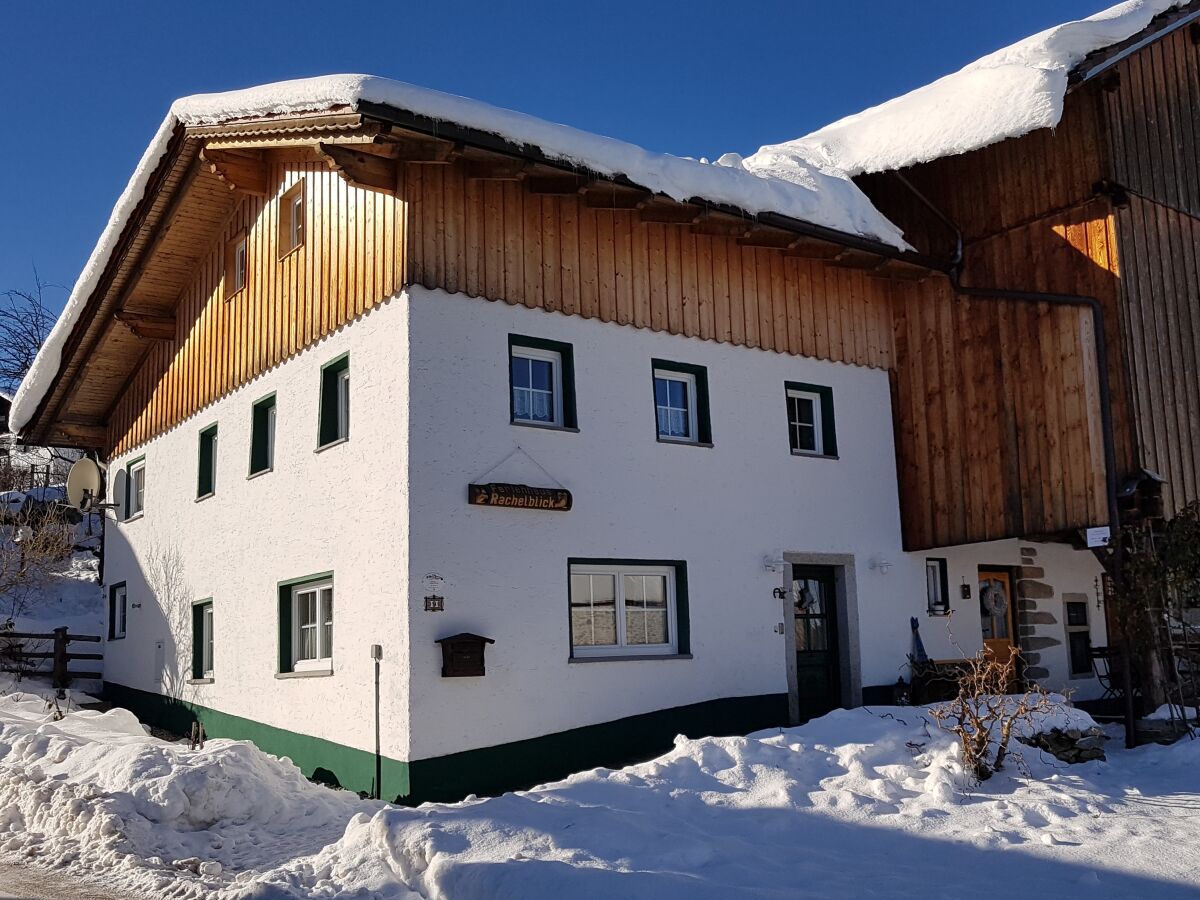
[(983, 715), (31, 551)]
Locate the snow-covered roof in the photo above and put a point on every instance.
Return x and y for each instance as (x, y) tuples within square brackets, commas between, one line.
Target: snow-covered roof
[(1006, 94), (811, 193)]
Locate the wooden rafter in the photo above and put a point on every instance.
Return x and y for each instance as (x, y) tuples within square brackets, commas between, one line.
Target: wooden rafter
[(670, 213), (364, 170), (606, 195), (426, 150), (775, 238), (239, 170), (561, 184), (722, 224), (148, 326), (498, 169)]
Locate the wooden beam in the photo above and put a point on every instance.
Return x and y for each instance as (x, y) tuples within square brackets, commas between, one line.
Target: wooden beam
[(606, 195), (500, 169), (670, 213), (760, 236), (556, 184), (722, 224), (148, 326), (240, 170), (812, 248), (92, 437), (898, 268), (433, 150), (364, 170), (858, 259)]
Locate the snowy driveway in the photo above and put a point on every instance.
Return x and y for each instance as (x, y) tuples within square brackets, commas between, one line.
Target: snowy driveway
[(25, 883)]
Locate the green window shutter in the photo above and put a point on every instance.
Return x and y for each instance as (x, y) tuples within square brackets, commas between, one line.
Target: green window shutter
[(206, 483), (566, 353), (328, 426), (198, 640), (683, 622), (260, 444), (285, 628)]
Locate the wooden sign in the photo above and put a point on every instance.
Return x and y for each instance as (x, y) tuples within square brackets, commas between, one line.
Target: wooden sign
[(519, 496)]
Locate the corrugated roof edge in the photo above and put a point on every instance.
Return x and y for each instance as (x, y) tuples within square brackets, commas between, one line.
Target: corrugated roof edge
[(823, 198)]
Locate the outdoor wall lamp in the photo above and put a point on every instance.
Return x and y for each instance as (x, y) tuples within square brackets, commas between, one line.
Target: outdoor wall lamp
[(882, 563)]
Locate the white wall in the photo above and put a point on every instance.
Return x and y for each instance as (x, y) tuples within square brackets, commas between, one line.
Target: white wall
[(340, 510), (1058, 570), (720, 509)]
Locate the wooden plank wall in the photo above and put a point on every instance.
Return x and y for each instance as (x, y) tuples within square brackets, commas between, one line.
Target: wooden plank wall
[(494, 239), (1154, 135), (352, 259)]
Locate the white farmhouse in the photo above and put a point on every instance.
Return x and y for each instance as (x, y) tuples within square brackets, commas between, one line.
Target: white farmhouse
[(595, 445)]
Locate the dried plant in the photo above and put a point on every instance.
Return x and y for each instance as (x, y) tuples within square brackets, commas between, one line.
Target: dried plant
[(32, 549), (984, 714)]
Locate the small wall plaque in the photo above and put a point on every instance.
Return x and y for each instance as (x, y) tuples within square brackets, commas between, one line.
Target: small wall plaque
[(519, 496), (462, 654)]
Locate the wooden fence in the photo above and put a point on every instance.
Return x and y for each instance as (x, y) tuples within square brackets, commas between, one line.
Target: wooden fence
[(15, 655)]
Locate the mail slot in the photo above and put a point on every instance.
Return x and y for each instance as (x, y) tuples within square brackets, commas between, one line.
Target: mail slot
[(462, 654)]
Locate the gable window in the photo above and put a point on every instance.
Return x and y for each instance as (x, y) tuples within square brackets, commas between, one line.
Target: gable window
[(937, 592), (306, 624), (334, 423), (236, 265), (202, 639), (1079, 638), (681, 403), (118, 608), (207, 479), (291, 219), (541, 382), (628, 608), (135, 488), (810, 419), (262, 435)]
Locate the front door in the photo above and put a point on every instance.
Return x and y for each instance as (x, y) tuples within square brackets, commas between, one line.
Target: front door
[(996, 613), (818, 672)]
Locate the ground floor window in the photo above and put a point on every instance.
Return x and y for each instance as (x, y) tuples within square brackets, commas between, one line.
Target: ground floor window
[(118, 607), (306, 623), (631, 608), (1079, 637), (202, 639)]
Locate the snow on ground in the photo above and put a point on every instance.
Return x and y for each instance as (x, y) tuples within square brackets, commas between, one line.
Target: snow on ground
[(1008, 93), (853, 804)]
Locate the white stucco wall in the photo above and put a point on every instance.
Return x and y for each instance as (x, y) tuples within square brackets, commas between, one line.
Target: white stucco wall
[(720, 509), (340, 510), (1065, 574)]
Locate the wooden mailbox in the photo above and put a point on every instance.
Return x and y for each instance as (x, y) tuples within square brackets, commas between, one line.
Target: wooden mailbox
[(462, 654)]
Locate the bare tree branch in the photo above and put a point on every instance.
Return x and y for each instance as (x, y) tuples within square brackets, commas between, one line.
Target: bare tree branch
[(25, 323)]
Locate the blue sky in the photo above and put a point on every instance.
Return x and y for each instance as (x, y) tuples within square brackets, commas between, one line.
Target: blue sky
[(86, 84)]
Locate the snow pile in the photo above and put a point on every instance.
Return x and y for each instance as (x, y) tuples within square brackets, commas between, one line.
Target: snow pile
[(95, 791), (817, 194), (851, 804), (1006, 94)]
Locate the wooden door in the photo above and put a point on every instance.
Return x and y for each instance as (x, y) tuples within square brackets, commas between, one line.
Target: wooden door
[(996, 616), (818, 668)]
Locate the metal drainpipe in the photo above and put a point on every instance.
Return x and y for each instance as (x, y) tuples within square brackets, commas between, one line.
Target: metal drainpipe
[(1106, 418)]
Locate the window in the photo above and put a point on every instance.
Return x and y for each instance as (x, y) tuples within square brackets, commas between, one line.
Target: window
[(1079, 638), (681, 403), (810, 419), (541, 382), (335, 401), (206, 483), (262, 435), (135, 487), (291, 219), (937, 592), (634, 608), (202, 639), (118, 609), (236, 265), (306, 624)]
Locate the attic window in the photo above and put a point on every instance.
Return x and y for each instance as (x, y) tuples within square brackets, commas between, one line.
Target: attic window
[(236, 265), (291, 219)]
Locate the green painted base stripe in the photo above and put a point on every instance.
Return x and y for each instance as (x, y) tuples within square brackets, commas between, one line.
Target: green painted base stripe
[(317, 758), (487, 771), (522, 764)]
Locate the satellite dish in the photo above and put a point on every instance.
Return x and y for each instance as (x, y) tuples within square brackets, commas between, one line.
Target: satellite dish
[(85, 484)]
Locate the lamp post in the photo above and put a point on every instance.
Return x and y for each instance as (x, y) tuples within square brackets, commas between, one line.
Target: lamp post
[(377, 655)]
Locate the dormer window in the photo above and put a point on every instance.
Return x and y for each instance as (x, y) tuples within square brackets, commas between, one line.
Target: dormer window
[(291, 219), (236, 265)]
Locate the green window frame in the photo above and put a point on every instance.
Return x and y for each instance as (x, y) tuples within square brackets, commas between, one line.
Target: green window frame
[(262, 435), (827, 427), (114, 590), (203, 639), (566, 412), (334, 416), (286, 589), (696, 377), (682, 620), (134, 465), (206, 480)]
